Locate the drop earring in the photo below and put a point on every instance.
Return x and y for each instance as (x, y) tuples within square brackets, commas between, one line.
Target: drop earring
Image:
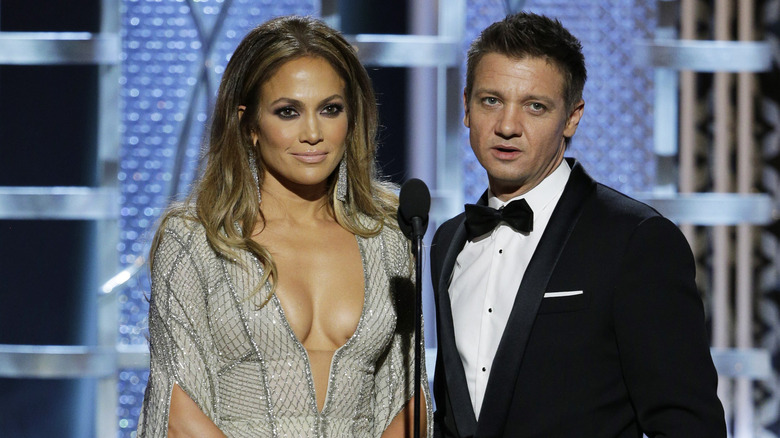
[(253, 169), (341, 181)]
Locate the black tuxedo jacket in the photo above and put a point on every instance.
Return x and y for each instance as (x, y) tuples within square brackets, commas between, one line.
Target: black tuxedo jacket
[(629, 355)]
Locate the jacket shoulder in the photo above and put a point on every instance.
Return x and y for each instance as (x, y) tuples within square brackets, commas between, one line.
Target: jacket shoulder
[(621, 206), (447, 229)]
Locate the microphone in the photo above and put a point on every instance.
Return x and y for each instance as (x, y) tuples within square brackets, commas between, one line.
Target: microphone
[(414, 201)]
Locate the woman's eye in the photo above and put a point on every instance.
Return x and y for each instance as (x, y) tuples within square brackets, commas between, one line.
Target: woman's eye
[(286, 113), (333, 109)]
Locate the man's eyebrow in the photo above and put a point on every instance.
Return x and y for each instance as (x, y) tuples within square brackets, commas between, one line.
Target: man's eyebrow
[(542, 98), (486, 90)]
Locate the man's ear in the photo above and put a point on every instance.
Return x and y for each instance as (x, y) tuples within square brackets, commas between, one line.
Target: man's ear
[(466, 121), (574, 119)]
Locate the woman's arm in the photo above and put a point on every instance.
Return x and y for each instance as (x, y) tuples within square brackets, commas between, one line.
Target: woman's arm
[(179, 336), (402, 425), (186, 420), (395, 386)]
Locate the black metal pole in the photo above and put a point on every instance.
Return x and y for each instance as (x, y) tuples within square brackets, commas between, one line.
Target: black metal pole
[(418, 356), (414, 202)]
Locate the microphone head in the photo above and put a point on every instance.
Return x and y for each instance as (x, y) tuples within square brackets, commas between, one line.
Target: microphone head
[(414, 201)]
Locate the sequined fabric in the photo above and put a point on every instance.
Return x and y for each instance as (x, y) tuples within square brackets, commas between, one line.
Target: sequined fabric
[(242, 364)]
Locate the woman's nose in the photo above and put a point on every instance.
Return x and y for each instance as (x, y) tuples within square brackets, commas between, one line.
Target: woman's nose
[(311, 132)]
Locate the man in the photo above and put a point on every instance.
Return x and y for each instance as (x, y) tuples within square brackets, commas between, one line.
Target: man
[(578, 316)]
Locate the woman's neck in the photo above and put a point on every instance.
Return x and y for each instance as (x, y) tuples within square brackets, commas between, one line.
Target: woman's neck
[(293, 206)]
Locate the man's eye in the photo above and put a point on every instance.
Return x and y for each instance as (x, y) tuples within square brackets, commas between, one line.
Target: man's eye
[(490, 100), (536, 106)]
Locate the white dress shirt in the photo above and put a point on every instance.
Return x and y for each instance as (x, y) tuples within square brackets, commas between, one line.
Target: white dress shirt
[(485, 279)]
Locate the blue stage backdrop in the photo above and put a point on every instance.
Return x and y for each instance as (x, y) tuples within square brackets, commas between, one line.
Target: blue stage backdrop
[(614, 140), (174, 55)]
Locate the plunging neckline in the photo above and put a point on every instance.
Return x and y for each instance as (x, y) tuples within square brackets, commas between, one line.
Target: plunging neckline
[(337, 352)]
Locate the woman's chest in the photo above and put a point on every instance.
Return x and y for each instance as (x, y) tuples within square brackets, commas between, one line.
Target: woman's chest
[(247, 321)]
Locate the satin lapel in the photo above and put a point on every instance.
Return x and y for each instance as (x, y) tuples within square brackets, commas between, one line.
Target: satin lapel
[(457, 389), (503, 375)]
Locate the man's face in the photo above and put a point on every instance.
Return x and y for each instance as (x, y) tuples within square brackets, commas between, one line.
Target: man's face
[(518, 119)]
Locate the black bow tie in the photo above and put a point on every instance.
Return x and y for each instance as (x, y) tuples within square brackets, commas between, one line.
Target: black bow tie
[(481, 219)]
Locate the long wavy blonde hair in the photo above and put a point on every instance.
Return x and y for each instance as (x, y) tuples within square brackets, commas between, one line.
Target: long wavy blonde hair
[(226, 197)]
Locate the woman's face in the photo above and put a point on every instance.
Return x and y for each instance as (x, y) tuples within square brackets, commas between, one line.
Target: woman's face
[(303, 124)]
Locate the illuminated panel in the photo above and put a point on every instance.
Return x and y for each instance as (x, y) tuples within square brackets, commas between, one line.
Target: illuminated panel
[(165, 86), (614, 140)]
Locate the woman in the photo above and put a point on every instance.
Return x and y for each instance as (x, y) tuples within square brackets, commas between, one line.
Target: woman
[(281, 301)]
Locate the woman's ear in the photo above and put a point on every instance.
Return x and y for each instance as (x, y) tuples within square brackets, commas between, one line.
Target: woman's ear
[(241, 109)]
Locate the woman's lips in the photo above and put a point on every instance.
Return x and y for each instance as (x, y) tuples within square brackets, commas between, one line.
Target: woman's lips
[(311, 157)]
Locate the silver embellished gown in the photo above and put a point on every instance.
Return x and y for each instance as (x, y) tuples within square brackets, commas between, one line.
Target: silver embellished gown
[(243, 365)]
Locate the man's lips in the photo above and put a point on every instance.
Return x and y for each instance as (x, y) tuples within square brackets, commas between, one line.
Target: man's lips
[(505, 152)]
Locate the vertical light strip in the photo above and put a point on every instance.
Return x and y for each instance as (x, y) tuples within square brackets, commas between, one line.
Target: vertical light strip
[(449, 118), (421, 100), (108, 142), (687, 150), (721, 248), (744, 414), (422, 110)]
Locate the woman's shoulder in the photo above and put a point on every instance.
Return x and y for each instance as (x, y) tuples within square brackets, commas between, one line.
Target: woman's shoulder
[(393, 235), (181, 231), (181, 221), (395, 249), (384, 230)]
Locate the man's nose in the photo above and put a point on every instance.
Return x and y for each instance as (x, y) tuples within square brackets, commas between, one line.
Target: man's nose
[(509, 125)]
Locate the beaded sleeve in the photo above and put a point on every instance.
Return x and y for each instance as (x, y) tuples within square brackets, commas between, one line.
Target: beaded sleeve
[(178, 332), (242, 364), (395, 373)]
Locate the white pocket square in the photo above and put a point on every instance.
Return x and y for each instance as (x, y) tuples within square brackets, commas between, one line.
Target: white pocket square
[(567, 293)]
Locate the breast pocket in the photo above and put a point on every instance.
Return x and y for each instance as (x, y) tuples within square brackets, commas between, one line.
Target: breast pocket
[(564, 301)]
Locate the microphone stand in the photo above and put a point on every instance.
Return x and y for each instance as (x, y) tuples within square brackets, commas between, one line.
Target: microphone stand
[(414, 203), (417, 244)]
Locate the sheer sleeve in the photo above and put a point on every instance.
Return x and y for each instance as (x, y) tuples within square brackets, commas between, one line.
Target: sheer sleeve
[(394, 385), (179, 340)]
